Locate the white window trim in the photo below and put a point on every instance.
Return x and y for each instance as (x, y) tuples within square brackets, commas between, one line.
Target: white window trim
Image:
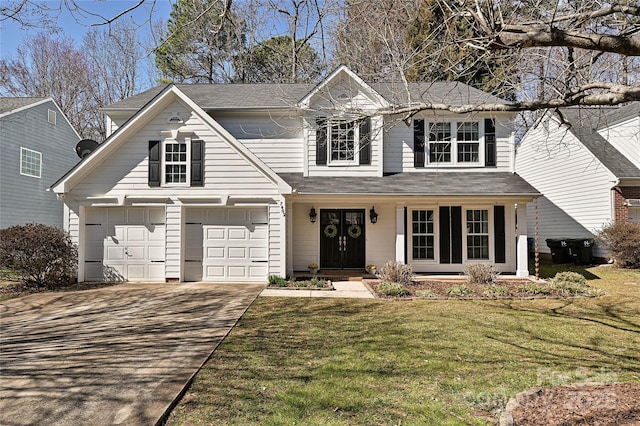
[(356, 144), (436, 235), (465, 257), (454, 163), (163, 163), (22, 172), (51, 113)]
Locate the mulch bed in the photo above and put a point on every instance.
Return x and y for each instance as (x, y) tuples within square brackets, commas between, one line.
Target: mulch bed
[(439, 289), (302, 285), (593, 404)]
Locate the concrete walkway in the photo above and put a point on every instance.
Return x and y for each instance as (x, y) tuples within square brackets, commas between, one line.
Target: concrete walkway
[(344, 289), (120, 355)]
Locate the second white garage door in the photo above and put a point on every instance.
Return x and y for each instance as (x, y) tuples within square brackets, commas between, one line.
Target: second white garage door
[(226, 244)]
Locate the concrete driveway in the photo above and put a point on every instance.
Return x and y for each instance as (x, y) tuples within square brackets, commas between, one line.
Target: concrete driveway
[(117, 355)]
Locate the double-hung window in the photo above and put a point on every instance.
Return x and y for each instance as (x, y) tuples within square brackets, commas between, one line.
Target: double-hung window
[(422, 230), (342, 141), (440, 142), (176, 162), (477, 234), (468, 142), (30, 163)]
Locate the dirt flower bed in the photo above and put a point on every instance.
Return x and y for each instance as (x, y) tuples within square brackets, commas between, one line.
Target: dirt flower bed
[(501, 289), (593, 404)]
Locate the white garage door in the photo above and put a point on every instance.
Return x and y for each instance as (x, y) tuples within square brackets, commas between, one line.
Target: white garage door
[(125, 243), (226, 244)]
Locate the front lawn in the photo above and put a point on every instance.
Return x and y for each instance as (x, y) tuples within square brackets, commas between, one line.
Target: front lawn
[(346, 361)]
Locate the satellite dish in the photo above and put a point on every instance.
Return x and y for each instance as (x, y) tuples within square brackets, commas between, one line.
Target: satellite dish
[(85, 147)]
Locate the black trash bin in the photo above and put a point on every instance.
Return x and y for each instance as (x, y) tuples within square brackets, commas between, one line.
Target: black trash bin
[(581, 250), (560, 251)]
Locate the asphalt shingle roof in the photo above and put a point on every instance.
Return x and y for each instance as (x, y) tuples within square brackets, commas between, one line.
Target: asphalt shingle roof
[(10, 104), (423, 184), (261, 96), (584, 125)]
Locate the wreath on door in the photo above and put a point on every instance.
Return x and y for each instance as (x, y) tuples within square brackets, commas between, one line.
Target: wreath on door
[(330, 231), (354, 231)]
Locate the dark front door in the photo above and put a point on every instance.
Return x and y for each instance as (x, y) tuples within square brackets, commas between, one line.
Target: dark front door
[(342, 241)]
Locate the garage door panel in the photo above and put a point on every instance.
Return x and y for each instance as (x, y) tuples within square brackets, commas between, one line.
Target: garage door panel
[(126, 243), (237, 253), (229, 243)]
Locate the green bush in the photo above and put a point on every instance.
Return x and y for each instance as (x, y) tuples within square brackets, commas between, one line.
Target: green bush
[(427, 294), (622, 240), (39, 255), (497, 291), (460, 291), (396, 272), (569, 283), (315, 282), (393, 289), (534, 289), (480, 273), (277, 281)]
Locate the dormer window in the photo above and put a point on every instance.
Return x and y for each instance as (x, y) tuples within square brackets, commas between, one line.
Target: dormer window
[(454, 143), (342, 140)]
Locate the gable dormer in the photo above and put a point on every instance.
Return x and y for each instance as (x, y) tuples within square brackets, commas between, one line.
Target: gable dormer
[(343, 134)]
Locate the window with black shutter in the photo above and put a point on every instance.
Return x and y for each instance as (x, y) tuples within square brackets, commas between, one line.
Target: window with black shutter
[(418, 143)]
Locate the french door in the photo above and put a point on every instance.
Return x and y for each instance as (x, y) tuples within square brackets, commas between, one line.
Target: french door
[(342, 239)]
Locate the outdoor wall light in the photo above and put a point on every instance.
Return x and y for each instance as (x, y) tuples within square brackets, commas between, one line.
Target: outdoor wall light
[(373, 215), (313, 215)]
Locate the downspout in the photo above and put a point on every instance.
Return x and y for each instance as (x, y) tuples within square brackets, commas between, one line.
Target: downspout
[(612, 200), (512, 154)]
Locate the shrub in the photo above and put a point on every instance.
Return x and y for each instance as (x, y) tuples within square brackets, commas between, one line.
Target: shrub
[(460, 291), (396, 272), (569, 283), (427, 294), (534, 289), (497, 291), (622, 240), (277, 281), (480, 273), (38, 254), (393, 289), (315, 282)]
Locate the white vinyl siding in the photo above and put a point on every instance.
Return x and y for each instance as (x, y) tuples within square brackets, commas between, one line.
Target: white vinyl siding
[(577, 198), (30, 163), (226, 171), (625, 137)]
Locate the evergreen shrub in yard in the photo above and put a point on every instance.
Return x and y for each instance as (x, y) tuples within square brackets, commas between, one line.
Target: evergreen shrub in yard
[(37, 254)]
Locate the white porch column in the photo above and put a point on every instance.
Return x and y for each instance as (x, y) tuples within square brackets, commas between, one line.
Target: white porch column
[(522, 259), (400, 236)]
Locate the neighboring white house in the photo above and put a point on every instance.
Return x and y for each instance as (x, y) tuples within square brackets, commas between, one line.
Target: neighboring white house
[(37, 146), (228, 182), (586, 162)]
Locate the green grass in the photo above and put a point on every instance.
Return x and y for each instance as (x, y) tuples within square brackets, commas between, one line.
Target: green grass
[(375, 362)]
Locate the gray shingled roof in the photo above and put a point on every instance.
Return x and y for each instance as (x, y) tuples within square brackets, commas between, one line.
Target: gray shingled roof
[(262, 96), (418, 183), (584, 124), (9, 104), (621, 114)]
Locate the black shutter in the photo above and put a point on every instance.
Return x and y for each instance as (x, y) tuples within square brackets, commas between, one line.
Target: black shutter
[(456, 234), (418, 143), (154, 163), (321, 141), (365, 141), (445, 235), (499, 233), (197, 172), (489, 142)]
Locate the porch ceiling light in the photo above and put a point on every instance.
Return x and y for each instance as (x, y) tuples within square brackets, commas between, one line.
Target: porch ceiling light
[(373, 215), (313, 215)]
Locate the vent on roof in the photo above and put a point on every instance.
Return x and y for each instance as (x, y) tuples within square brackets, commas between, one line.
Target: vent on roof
[(175, 118)]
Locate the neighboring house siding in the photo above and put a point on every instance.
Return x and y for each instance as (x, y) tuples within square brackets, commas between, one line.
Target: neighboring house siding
[(275, 138), (625, 137), (225, 170), (577, 198), (25, 199)]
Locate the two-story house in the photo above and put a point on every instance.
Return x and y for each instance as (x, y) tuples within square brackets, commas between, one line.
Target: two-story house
[(232, 182), (37, 146), (586, 162)]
